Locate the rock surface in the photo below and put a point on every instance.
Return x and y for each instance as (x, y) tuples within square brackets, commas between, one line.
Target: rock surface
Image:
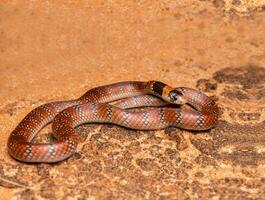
[(54, 51)]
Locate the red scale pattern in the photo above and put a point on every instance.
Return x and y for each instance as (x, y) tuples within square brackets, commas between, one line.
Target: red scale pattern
[(94, 106)]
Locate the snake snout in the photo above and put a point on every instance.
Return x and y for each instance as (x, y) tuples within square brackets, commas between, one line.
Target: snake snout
[(176, 97)]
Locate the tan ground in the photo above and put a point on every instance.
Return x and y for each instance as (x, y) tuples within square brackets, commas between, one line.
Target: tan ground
[(54, 51)]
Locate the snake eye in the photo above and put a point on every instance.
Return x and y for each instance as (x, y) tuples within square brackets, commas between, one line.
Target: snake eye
[(174, 95)]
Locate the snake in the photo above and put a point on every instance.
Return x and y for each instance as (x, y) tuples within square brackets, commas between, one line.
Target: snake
[(115, 104)]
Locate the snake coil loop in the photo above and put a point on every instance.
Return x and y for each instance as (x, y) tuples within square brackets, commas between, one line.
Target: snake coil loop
[(108, 104)]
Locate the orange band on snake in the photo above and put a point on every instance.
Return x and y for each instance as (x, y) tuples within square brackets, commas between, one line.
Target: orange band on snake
[(108, 104)]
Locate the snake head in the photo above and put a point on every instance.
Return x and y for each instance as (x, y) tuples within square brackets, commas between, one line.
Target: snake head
[(176, 96)]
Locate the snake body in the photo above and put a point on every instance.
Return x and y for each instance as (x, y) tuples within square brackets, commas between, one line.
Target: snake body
[(109, 104)]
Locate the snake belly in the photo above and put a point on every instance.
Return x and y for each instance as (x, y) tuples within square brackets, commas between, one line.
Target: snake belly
[(108, 104)]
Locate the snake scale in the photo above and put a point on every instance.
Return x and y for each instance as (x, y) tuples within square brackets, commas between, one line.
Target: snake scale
[(110, 104)]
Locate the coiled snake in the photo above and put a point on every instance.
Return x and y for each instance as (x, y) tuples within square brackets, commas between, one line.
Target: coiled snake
[(109, 104)]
